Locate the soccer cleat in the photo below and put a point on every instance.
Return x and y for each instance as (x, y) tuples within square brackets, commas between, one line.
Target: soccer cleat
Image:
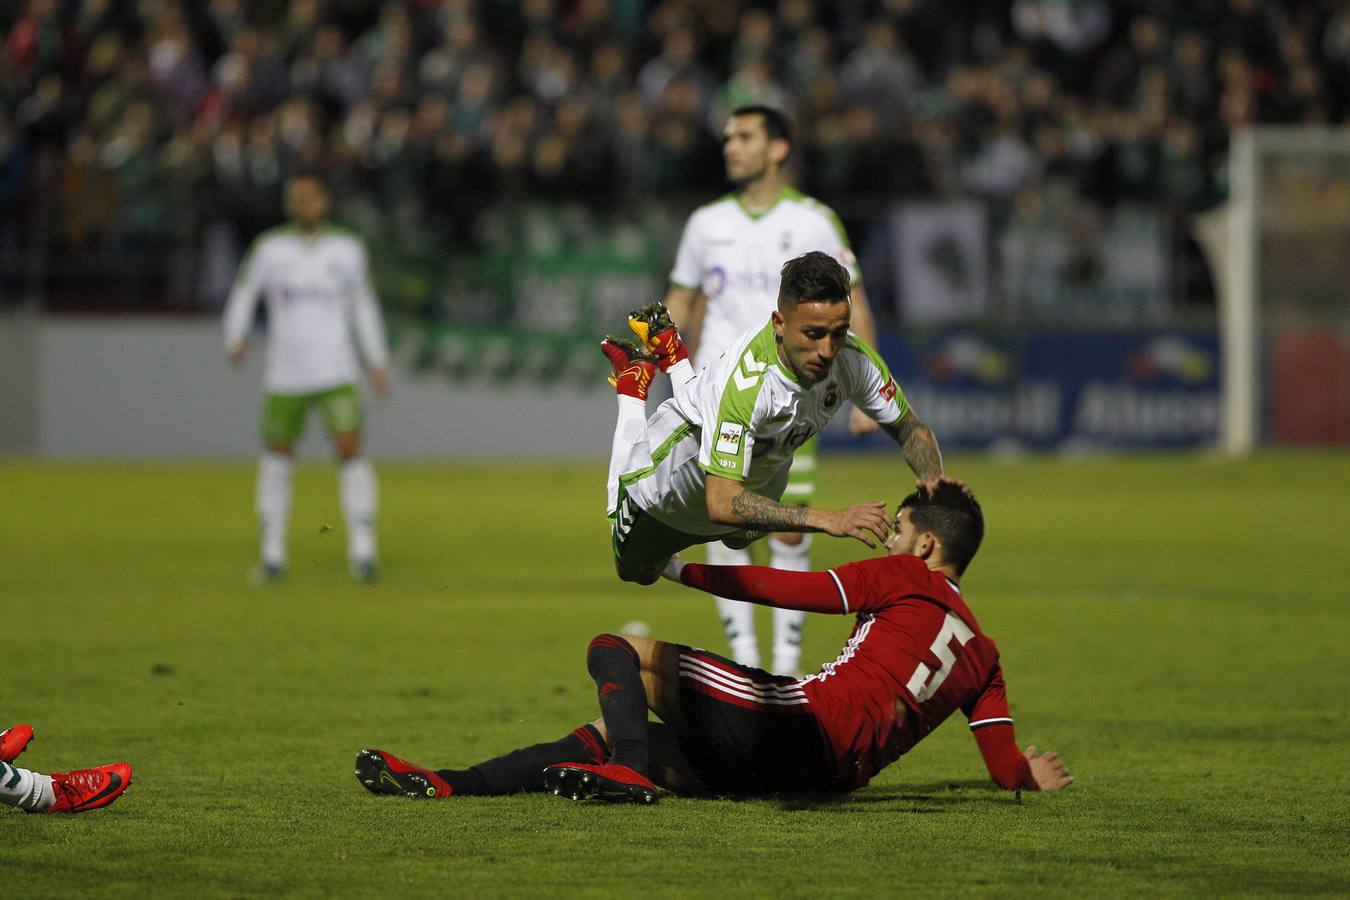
[(384, 773), (658, 334), (86, 789), (265, 573), (634, 367), (607, 781), (364, 571), (13, 741)]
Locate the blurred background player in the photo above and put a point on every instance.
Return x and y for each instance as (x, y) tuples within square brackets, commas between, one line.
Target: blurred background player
[(68, 792), (316, 280), (916, 656), (725, 280)]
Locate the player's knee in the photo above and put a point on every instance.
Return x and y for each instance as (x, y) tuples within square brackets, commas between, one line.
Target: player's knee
[(636, 576), (608, 643)]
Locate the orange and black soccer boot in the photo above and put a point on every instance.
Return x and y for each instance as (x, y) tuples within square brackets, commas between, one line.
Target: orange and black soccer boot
[(385, 773), (634, 367), (658, 334), (13, 741), (606, 781), (86, 789)]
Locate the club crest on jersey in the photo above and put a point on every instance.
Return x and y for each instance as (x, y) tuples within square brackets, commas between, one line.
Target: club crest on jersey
[(887, 390), (831, 395), (729, 436)]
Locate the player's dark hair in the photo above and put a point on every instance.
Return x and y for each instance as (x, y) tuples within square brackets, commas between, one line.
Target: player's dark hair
[(811, 276), (776, 125), (954, 516)]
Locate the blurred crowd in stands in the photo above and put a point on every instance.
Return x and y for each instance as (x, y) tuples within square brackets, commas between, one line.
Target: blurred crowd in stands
[(124, 122)]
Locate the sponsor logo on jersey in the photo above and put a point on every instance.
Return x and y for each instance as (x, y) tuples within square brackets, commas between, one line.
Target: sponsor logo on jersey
[(887, 390), (718, 280), (729, 436)]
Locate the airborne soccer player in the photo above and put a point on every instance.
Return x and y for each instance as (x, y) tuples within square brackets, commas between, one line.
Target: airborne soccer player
[(66, 792), (713, 461), (916, 656), (316, 282), (724, 281)]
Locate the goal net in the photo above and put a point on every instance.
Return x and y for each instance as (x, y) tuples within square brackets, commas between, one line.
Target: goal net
[(1281, 253)]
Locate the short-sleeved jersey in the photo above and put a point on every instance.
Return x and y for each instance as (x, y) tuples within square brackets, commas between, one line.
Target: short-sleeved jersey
[(318, 292), (743, 418), (916, 656), (735, 257)]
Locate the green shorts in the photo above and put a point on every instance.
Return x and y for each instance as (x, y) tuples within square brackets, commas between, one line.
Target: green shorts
[(283, 418), (643, 546), (801, 486)]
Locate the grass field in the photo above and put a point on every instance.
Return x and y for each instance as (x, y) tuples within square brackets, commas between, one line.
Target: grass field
[(1176, 627)]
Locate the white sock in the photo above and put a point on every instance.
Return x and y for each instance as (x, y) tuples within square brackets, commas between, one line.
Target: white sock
[(25, 789), (630, 451), (738, 617), (789, 623), (272, 500), (681, 373), (360, 499)]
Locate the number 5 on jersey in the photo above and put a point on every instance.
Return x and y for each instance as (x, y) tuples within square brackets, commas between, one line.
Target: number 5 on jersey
[(924, 683)]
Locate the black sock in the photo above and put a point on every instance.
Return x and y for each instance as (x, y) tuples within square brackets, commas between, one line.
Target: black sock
[(613, 663), (523, 769)]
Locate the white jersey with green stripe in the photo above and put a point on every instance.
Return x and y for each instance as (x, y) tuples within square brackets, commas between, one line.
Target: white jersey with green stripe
[(734, 257), (318, 294), (742, 418)]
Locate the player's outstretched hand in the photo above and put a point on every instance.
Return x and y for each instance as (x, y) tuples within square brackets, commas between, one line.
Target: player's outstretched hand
[(1048, 769), (863, 521), (860, 423)]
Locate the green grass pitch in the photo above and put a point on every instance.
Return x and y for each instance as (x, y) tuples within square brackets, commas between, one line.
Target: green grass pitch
[(1175, 626)]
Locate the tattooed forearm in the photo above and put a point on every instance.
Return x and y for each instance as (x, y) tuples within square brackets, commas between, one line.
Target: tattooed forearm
[(758, 511), (918, 446)]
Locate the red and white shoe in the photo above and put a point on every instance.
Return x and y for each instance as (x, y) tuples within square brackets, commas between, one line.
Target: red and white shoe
[(385, 773), (607, 781), (13, 741), (633, 366), (86, 789)]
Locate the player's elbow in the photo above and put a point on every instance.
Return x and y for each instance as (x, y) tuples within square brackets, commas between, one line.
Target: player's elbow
[(719, 512)]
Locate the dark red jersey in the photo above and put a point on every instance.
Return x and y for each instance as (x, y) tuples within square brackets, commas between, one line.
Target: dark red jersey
[(916, 656)]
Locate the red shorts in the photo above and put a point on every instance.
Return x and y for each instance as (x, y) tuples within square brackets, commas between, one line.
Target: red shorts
[(748, 731)]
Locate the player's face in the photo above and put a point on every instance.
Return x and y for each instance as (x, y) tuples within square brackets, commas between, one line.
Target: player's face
[(306, 201), (811, 336), (903, 538), (747, 150)]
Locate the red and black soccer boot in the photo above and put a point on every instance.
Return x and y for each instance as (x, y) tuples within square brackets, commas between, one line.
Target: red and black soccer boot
[(657, 332), (634, 367), (86, 789), (385, 773), (13, 741), (606, 781)]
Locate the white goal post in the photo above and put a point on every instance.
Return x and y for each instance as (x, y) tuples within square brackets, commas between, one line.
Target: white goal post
[(1284, 182)]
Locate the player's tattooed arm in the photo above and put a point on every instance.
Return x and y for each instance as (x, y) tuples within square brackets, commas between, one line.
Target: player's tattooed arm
[(729, 503), (760, 512), (918, 445)]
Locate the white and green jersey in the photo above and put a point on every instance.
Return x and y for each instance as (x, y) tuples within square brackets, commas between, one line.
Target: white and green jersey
[(318, 294), (742, 418), (734, 257)]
